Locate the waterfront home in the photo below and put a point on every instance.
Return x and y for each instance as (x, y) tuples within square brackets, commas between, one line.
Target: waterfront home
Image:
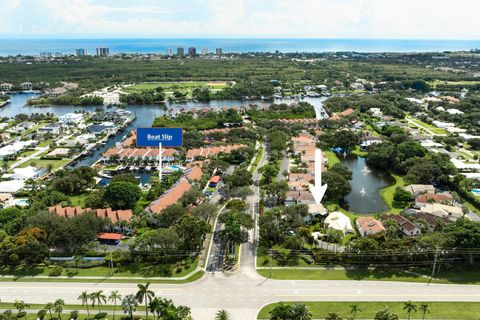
[(6, 86), (211, 151), (408, 228), (170, 197), (25, 173), (71, 118), (344, 114), (151, 154), (338, 221), (444, 211), (418, 189), (26, 86), (367, 226), (423, 199)]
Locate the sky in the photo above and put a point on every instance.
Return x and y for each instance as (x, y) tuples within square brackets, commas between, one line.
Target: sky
[(362, 19)]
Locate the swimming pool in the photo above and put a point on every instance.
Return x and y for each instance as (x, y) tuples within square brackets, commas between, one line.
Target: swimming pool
[(476, 192)]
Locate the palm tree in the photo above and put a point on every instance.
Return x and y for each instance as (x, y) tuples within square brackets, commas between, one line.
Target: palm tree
[(144, 294), (83, 297), (20, 306), (354, 309), (58, 306), (281, 312), (129, 304), (157, 306), (300, 311), (409, 307), (222, 315), (114, 296), (49, 307), (424, 309), (99, 298)]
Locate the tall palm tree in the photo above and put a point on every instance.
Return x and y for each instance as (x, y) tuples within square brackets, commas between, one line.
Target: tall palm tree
[(83, 297), (99, 298), (424, 309), (409, 307), (144, 294), (49, 308), (222, 315), (353, 310), (20, 305), (58, 307), (114, 296), (129, 304)]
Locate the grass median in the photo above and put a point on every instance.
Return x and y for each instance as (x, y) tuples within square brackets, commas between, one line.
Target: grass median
[(367, 310)]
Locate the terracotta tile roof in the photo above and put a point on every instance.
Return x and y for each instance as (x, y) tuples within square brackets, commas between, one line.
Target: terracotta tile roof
[(171, 196), (302, 195), (370, 225), (402, 221), (193, 174), (139, 152), (211, 151), (114, 215), (437, 198), (109, 236)]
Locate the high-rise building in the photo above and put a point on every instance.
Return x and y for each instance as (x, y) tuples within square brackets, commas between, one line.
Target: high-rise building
[(204, 51), (192, 51), (219, 51), (103, 51), (180, 51), (169, 52), (81, 52)]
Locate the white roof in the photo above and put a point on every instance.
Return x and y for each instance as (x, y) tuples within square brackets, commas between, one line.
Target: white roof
[(14, 147), (11, 186), (338, 221), (22, 173), (454, 111), (463, 165), (71, 115)]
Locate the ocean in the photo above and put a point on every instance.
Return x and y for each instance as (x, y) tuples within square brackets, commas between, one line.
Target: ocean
[(68, 46)]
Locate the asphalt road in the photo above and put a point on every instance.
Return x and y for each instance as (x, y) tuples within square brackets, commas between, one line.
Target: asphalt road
[(245, 292)]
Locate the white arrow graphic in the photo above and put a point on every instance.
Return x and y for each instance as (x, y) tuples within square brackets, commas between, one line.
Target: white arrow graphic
[(318, 190)]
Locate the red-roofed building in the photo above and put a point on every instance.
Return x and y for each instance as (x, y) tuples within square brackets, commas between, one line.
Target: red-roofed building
[(367, 226), (109, 238), (211, 151), (114, 215), (423, 199), (171, 196)]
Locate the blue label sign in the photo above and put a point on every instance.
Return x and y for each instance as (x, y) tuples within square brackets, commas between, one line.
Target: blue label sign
[(152, 137)]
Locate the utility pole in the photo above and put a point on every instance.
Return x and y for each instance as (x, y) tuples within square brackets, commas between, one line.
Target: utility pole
[(434, 264), (271, 261)]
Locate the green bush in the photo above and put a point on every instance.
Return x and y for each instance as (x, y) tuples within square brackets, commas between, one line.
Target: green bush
[(74, 314), (55, 271), (101, 315)]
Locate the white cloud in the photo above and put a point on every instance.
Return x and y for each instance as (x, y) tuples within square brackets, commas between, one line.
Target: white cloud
[(427, 19)]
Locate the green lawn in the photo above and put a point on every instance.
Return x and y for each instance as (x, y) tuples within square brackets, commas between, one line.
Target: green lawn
[(332, 158), (458, 275), (257, 159), (172, 86), (359, 152), (438, 310), (388, 192), (435, 83), (44, 143), (78, 200), (40, 163), (425, 125)]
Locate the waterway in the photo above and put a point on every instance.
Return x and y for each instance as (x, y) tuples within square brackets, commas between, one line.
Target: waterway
[(366, 185), (145, 114)]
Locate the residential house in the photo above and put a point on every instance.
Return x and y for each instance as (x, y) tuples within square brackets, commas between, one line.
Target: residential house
[(444, 211), (408, 228), (418, 189), (53, 128), (171, 196), (423, 199), (367, 226), (295, 197), (114, 215), (432, 220), (6, 86), (26, 86), (338, 221), (211, 151), (25, 173), (59, 153), (71, 118)]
